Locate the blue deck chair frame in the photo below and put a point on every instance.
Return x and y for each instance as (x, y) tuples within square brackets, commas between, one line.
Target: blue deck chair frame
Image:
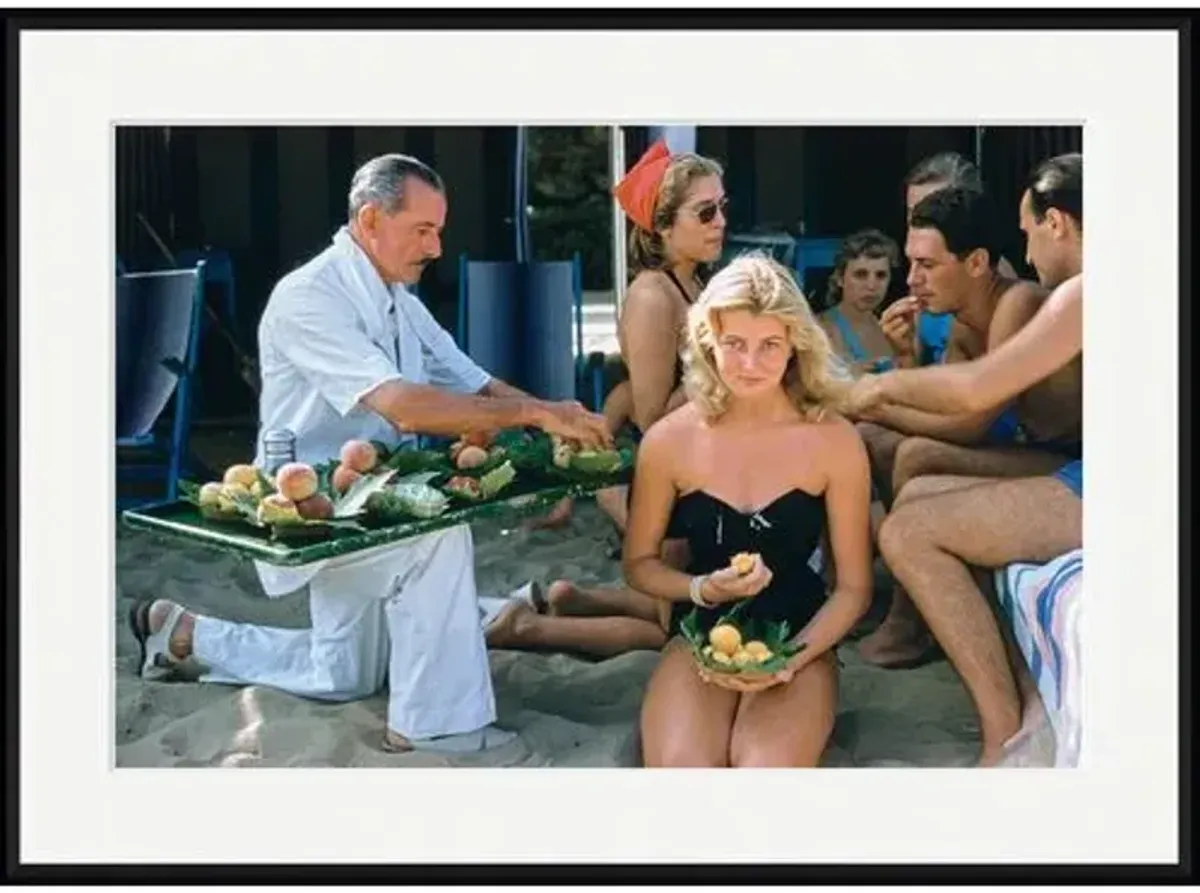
[(814, 254), (183, 369), (589, 369), (780, 246), (218, 270)]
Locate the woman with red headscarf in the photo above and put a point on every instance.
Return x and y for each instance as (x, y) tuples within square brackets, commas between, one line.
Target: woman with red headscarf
[(676, 204)]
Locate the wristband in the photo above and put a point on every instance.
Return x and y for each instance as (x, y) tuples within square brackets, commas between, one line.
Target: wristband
[(694, 592)]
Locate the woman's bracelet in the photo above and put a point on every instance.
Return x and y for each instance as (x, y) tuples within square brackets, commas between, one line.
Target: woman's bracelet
[(694, 592)]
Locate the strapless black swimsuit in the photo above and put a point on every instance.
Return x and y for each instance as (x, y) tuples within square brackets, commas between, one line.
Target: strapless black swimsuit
[(785, 532)]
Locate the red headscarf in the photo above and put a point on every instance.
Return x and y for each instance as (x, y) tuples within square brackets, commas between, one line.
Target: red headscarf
[(638, 192)]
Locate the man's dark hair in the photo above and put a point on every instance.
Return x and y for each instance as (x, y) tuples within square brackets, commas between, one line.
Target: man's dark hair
[(949, 168), (966, 218), (381, 181), (1058, 183)]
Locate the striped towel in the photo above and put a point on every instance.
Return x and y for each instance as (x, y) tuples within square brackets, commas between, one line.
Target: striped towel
[(1044, 605)]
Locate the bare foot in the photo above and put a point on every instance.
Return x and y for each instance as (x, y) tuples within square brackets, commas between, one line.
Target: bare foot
[(394, 742), (511, 625), (181, 637), (560, 595), (1031, 747), (897, 644), (990, 757), (559, 516)]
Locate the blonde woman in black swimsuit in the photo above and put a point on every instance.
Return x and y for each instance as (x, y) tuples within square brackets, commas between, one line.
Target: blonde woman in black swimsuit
[(757, 461)]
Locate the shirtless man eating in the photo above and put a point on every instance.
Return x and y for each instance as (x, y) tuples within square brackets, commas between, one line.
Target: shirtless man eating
[(951, 246)]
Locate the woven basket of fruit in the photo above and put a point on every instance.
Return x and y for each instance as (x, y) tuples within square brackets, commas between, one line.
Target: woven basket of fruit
[(738, 645)]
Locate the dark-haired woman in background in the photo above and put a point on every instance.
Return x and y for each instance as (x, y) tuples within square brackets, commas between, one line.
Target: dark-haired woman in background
[(858, 284)]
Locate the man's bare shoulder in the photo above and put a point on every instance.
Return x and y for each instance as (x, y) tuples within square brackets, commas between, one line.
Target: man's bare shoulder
[(1023, 292)]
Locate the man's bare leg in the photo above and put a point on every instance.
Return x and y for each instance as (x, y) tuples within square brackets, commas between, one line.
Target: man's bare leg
[(929, 543), (880, 646), (881, 444), (902, 639), (920, 456)]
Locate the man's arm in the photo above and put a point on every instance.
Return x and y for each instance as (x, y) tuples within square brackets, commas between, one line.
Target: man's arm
[(497, 388), (426, 409), (1014, 311), (348, 369), (1048, 342)]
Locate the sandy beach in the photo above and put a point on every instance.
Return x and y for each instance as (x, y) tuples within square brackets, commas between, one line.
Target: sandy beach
[(566, 710)]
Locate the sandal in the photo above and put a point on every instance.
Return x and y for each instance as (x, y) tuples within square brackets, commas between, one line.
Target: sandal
[(154, 647)]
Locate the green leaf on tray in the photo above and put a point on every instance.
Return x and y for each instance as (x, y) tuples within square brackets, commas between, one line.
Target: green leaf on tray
[(405, 502), (496, 480), (410, 461), (354, 501), (597, 461)]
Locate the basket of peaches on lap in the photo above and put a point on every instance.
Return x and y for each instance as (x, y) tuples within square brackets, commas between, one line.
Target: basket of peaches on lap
[(744, 654)]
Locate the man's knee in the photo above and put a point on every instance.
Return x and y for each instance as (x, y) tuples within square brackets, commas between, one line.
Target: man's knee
[(915, 489), (877, 438), (915, 456), (900, 531)]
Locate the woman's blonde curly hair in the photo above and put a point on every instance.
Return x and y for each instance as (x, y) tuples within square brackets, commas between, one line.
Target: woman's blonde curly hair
[(815, 379)]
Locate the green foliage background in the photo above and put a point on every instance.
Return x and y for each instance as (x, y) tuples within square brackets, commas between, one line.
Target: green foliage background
[(569, 192)]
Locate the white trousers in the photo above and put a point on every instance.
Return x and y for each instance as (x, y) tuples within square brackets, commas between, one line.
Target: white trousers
[(405, 614)]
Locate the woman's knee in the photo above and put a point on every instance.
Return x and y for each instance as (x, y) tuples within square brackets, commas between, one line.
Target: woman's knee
[(767, 756), (803, 746), (677, 752)]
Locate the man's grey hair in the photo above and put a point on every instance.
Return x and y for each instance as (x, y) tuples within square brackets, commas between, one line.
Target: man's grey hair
[(946, 168), (381, 181)]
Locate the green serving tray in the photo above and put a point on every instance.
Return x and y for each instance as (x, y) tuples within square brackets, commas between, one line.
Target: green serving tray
[(182, 520)]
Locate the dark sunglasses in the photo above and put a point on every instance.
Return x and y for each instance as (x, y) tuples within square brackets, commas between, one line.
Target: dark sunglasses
[(707, 211)]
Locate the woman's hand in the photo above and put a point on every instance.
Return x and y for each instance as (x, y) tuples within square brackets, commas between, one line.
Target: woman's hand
[(795, 664), (727, 585), (739, 682)]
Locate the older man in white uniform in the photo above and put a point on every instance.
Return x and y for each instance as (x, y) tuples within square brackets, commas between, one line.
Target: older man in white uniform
[(347, 352)]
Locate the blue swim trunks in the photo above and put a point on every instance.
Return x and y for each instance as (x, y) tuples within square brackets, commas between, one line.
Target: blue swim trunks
[(1071, 475)]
